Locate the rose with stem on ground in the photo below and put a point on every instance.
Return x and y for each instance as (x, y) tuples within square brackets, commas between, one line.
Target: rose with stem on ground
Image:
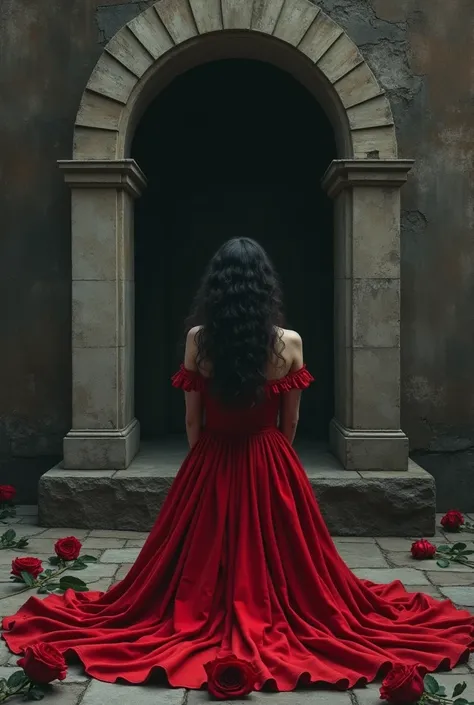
[(454, 521), (7, 508), (444, 554), (29, 570), (405, 685), (230, 677), (41, 664)]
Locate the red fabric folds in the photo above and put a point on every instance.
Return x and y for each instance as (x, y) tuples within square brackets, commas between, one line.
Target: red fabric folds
[(240, 560)]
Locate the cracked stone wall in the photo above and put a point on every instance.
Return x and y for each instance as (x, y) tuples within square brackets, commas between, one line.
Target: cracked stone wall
[(421, 53)]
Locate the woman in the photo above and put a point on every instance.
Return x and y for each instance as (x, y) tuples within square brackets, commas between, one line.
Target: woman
[(240, 560)]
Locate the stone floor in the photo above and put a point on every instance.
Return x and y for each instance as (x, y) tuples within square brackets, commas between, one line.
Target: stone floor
[(378, 559)]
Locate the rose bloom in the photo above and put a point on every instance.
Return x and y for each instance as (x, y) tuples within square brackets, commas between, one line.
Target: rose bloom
[(7, 493), (452, 520), (422, 549), (43, 663), (28, 564), (68, 549), (402, 685), (230, 677)]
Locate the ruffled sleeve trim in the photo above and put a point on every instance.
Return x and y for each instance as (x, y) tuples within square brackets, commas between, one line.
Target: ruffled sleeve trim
[(188, 380), (299, 379)]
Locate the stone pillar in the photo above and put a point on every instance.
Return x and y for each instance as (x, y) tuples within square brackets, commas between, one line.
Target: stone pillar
[(365, 433), (105, 434)]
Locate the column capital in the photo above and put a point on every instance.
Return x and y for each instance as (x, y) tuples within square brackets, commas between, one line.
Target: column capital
[(104, 173), (345, 173)]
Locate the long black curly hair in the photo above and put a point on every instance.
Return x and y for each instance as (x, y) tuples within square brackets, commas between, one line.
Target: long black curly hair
[(239, 307)]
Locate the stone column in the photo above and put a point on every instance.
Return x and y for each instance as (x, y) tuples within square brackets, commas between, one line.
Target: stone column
[(104, 434), (365, 433)]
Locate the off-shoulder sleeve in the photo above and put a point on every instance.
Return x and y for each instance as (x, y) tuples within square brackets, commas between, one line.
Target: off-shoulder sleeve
[(299, 379), (188, 380)]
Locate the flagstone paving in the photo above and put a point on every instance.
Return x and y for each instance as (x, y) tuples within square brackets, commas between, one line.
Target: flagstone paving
[(379, 559)]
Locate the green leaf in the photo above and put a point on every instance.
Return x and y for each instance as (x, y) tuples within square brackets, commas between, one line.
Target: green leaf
[(441, 692), (461, 701), (466, 553), (27, 578), (70, 581), (16, 680), (21, 543), (8, 536), (459, 546), (78, 565), (431, 684), (444, 548), (3, 685), (54, 560), (459, 688), (443, 562), (88, 559), (35, 693), (49, 587)]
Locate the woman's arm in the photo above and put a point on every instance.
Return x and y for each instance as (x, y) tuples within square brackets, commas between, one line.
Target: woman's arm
[(193, 400), (290, 403)]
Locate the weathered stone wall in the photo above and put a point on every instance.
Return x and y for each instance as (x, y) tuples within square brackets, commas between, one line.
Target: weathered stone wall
[(419, 52)]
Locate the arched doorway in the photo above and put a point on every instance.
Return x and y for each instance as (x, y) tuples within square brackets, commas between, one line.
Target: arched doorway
[(146, 55), (225, 155)]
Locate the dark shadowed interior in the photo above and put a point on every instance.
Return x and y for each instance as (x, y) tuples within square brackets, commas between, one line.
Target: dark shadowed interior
[(231, 148)]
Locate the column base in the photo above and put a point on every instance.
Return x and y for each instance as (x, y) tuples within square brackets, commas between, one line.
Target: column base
[(368, 450), (90, 449)]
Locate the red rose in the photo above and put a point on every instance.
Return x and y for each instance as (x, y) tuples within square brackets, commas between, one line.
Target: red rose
[(402, 685), (30, 565), (68, 549), (452, 520), (7, 493), (230, 677), (43, 663), (422, 549)]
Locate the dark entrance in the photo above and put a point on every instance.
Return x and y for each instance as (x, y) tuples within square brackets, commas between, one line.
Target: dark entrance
[(230, 148)]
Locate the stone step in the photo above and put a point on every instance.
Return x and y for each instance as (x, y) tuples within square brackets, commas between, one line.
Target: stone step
[(353, 503)]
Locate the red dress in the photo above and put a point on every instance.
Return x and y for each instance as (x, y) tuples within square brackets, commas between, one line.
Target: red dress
[(240, 559)]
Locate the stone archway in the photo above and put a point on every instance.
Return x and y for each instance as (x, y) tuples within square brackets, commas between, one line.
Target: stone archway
[(145, 55)]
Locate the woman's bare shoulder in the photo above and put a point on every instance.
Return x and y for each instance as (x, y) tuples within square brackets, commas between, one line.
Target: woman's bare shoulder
[(291, 338)]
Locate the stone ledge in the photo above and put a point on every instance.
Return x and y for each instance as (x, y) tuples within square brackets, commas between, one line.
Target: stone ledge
[(353, 503)]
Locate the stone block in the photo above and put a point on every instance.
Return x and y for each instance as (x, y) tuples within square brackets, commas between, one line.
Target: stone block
[(265, 15), (101, 313), (300, 697), (151, 32), (375, 313), (102, 234), (376, 388), (98, 693), (320, 36), (373, 113), (95, 143), (353, 505), (376, 232), (112, 79), (357, 86), (207, 14), (384, 576), (61, 693), (449, 578), (342, 385), (340, 58), (98, 111), (343, 235), (120, 555), (236, 14), (178, 19), (369, 450), (405, 559), (379, 141), (294, 21), (100, 390), (460, 595), (364, 555), (126, 48)]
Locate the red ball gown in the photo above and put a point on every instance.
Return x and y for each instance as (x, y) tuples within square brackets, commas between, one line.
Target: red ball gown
[(241, 560)]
